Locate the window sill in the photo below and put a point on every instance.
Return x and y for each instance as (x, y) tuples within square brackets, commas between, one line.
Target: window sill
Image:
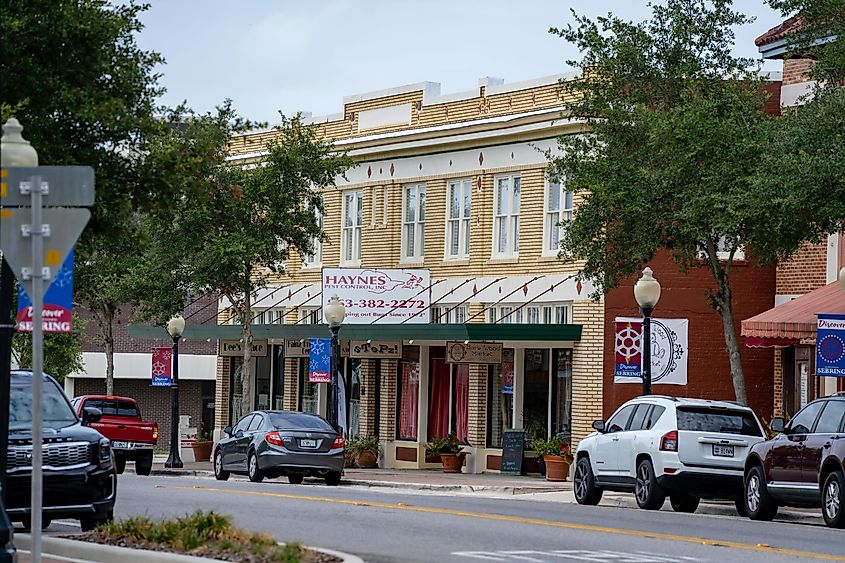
[(355, 264), (317, 266), (462, 261), (508, 259), (416, 261)]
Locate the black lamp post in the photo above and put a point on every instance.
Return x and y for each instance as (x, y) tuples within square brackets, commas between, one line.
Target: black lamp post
[(335, 313), (175, 328), (647, 294)]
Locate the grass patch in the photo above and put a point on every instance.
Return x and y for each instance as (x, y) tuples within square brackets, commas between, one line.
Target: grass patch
[(202, 534)]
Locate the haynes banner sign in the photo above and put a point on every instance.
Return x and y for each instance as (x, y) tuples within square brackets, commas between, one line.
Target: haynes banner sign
[(58, 303), (830, 345), (380, 296)]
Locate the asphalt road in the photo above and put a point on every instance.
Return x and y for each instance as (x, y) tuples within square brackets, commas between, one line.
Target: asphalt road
[(395, 526)]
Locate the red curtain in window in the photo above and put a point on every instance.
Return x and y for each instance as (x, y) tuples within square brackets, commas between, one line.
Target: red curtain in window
[(438, 402), (462, 401), (408, 406)]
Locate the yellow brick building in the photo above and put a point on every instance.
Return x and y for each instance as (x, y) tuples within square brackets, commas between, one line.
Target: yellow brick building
[(454, 184)]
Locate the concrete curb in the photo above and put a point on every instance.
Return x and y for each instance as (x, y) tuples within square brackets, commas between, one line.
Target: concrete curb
[(76, 550), (719, 508)]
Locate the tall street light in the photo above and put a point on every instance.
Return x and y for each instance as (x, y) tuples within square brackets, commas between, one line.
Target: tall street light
[(335, 313), (647, 294), (175, 328)]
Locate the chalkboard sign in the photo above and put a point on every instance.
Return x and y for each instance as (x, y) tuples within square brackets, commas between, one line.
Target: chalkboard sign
[(512, 444)]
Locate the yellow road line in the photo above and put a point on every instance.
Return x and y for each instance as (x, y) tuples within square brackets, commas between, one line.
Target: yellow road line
[(534, 521)]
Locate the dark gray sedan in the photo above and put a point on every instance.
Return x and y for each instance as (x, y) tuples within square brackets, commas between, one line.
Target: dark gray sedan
[(275, 443)]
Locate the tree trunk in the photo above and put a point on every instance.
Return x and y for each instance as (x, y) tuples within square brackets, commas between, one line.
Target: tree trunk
[(108, 342), (246, 373)]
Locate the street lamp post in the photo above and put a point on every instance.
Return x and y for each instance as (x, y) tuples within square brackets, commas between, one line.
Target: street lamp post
[(335, 313), (175, 328), (647, 294)]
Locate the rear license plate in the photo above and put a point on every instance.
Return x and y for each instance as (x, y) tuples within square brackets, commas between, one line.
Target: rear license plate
[(308, 443), (723, 451), (121, 445)]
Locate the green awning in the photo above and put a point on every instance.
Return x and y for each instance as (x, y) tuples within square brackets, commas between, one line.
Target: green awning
[(469, 331)]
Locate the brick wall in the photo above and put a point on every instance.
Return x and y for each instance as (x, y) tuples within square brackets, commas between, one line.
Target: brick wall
[(587, 367), (221, 393), (477, 421), (387, 409), (796, 70), (369, 412), (805, 270), (683, 296), (154, 402)]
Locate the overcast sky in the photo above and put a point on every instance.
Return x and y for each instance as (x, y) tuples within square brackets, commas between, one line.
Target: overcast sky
[(306, 55)]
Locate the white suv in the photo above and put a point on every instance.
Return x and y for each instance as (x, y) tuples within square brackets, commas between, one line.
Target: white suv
[(655, 446)]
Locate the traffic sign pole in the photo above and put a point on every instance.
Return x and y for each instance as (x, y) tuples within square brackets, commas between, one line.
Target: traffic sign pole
[(38, 272)]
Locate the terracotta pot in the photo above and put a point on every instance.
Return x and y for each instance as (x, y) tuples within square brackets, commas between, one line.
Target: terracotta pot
[(452, 463), (556, 468), (348, 459), (366, 460), (202, 450)]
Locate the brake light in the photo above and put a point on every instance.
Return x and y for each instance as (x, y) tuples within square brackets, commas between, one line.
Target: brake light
[(275, 439), (155, 433), (338, 442), (669, 441)]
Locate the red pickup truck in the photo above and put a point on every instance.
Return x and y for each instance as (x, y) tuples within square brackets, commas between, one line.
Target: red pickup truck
[(131, 437)]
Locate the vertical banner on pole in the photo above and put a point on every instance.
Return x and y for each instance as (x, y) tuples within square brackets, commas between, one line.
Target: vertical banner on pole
[(162, 370), (319, 360), (830, 345), (58, 303), (669, 350)]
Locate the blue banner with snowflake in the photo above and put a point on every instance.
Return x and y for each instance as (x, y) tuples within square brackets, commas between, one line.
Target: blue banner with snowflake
[(58, 302), (830, 345), (319, 360)]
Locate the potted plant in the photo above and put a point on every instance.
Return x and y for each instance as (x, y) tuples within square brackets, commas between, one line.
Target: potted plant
[(202, 446), (557, 456), (365, 451), (450, 451)]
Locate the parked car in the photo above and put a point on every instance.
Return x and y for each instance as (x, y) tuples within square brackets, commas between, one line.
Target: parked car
[(275, 443), (802, 466), (79, 478), (655, 446), (132, 438)]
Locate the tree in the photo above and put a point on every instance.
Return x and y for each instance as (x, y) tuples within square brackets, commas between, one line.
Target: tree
[(234, 234), (671, 160)]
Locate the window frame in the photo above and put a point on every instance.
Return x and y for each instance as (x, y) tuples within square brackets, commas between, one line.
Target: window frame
[(418, 224), (462, 222), (562, 212), (511, 219), (356, 227)]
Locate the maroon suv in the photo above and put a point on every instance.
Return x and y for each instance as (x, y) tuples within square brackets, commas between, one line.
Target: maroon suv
[(802, 466)]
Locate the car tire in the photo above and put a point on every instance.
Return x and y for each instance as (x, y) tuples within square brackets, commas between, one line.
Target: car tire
[(27, 523), (333, 478), (682, 502), (741, 509), (759, 504), (833, 500), (88, 523), (648, 492), (144, 466), (120, 465), (219, 473), (584, 483), (254, 472), (295, 478)]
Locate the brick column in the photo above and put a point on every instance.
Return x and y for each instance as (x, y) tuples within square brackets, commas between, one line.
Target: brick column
[(369, 410), (777, 407), (587, 362), (221, 394), (291, 400), (477, 423), (387, 408)]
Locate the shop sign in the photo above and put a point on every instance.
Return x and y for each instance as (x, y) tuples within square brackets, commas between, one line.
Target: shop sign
[(380, 296), (830, 345), (302, 348), (375, 349), (235, 348), (319, 360), (474, 352)]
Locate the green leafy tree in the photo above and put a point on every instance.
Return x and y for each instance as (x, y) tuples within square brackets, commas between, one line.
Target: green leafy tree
[(671, 160)]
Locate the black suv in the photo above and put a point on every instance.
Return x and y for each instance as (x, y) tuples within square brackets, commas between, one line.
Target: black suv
[(79, 476)]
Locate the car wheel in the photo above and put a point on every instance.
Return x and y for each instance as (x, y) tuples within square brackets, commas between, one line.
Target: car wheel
[(219, 473), (650, 495), (88, 523), (758, 502), (832, 500), (120, 465), (333, 478), (682, 502), (254, 472), (586, 491), (144, 466), (295, 478), (27, 523), (741, 509)]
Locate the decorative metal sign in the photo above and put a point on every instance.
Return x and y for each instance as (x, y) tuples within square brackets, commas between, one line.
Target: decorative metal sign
[(235, 348), (474, 352)]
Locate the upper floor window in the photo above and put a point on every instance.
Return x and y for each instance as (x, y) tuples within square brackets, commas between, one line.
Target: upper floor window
[(413, 221), (351, 227), (558, 216), (310, 315), (460, 208), (506, 216), (512, 313), (314, 259), (449, 315)]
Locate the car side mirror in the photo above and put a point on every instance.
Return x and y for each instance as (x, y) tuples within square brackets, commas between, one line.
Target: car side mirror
[(776, 425), (227, 431), (598, 426), (239, 433), (91, 415)]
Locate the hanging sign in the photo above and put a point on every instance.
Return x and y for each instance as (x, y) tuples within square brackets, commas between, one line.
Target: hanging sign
[(669, 351), (161, 367), (319, 360), (830, 345), (375, 349), (235, 348), (57, 316), (474, 352), (302, 348), (379, 296)]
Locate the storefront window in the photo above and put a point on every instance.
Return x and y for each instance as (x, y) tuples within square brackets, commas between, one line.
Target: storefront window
[(353, 397), (408, 390), (500, 399), (262, 383), (535, 409), (438, 396), (562, 388), (308, 398), (460, 401)]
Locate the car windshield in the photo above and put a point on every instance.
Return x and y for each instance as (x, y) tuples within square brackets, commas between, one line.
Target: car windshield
[(298, 421), (56, 411), (113, 407), (703, 419)]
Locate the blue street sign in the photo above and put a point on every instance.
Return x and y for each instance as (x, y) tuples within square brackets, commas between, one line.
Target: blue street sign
[(830, 345), (58, 302)]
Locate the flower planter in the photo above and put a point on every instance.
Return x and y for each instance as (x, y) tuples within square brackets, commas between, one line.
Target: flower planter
[(202, 450), (348, 459), (366, 460), (452, 463), (557, 469)]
